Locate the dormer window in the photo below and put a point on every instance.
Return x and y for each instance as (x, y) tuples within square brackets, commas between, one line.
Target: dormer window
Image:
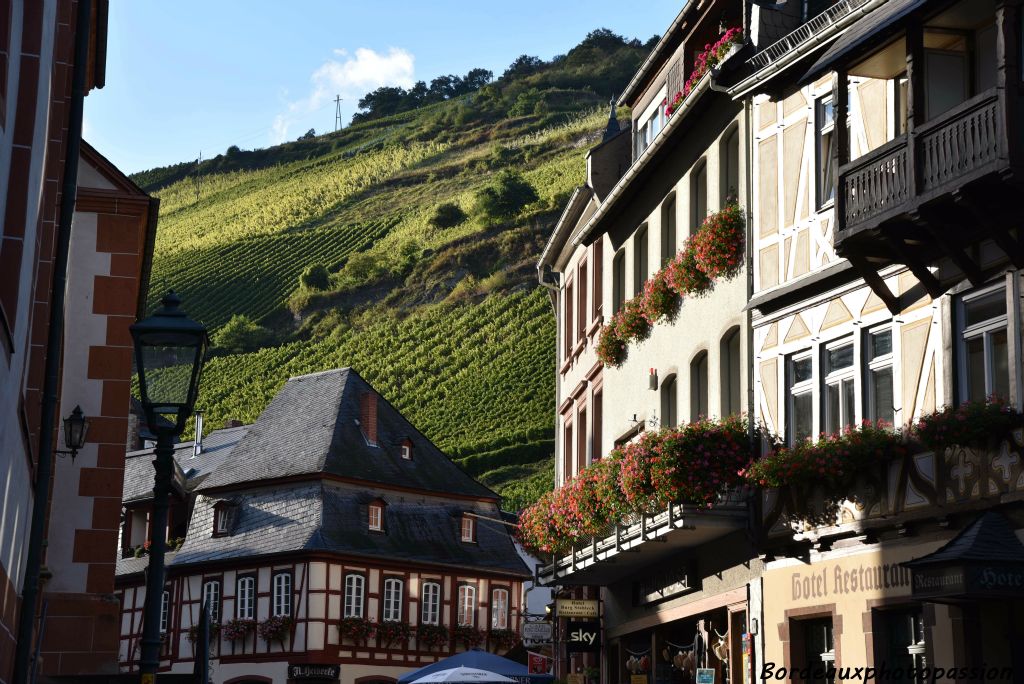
[(468, 528), (223, 518), (375, 516), (406, 449)]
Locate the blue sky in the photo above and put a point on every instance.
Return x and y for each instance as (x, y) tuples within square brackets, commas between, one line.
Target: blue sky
[(188, 76)]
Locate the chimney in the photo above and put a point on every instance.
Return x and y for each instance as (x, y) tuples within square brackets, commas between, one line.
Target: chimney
[(197, 447), (368, 416)]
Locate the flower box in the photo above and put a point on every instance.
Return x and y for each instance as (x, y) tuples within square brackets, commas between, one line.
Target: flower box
[(238, 629), (431, 636), (393, 632), (467, 637), (276, 628), (356, 628)]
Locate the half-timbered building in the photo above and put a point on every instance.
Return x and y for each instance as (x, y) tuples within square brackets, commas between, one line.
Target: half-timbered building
[(331, 515)]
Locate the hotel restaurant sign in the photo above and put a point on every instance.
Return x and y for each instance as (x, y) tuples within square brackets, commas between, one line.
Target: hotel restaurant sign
[(968, 581)]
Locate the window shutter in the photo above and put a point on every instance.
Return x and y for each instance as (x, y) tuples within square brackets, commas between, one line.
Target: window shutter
[(675, 79)]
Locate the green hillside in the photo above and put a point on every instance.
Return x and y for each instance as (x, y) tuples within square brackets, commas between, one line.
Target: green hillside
[(403, 246)]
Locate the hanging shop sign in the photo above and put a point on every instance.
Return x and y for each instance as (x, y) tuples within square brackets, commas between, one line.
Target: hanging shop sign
[(539, 632), (576, 608), (664, 584), (313, 672), (705, 675), (583, 637), (539, 663)]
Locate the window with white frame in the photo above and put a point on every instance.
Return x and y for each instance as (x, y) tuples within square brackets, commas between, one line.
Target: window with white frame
[(499, 609), (392, 600), (840, 386), (880, 397), (984, 345), (282, 593), (649, 127), (468, 528), (430, 613), (799, 397), (165, 611), (406, 450), (825, 143), (376, 517), (354, 586), (211, 595), (245, 601), (467, 605)]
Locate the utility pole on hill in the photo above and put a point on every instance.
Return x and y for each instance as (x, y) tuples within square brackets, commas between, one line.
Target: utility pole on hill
[(199, 164), (337, 113)]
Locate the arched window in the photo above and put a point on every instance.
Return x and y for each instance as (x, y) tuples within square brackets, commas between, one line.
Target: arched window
[(392, 600), (354, 585), (730, 373), (430, 613), (499, 609), (669, 403), (618, 281), (282, 593), (730, 187), (245, 601), (639, 260), (211, 595), (699, 386), (668, 230), (698, 195), (467, 605)]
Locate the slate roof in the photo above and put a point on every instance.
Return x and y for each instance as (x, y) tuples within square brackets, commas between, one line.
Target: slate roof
[(990, 538), (328, 517), (138, 465), (311, 427)]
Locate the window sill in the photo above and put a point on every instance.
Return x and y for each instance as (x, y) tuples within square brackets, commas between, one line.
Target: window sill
[(595, 325), (580, 346), (566, 365)]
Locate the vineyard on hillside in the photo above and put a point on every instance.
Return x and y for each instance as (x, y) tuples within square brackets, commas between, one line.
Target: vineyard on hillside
[(446, 320)]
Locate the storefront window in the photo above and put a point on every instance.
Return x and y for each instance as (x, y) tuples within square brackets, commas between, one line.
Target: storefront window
[(900, 645), (818, 651)]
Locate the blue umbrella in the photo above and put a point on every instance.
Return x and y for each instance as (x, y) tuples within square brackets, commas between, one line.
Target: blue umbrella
[(481, 660)]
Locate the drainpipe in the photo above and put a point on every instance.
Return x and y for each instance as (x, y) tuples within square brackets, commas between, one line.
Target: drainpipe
[(754, 508), (54, 346)]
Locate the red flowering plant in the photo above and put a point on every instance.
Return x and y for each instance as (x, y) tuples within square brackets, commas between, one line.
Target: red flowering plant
[(683, 274), (659, 300), (611, 348), (974, 424), (469, 637), (391, 632), (193, 632), (632, 324), (432, 636), (537, 528), (503, 639), (592, 500), (356, 628), (275, 628), (672, 106), (718, 245), (711, 56), (238, 628), (834, 461)]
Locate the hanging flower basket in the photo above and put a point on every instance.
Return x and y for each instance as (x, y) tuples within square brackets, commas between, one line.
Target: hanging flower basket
[(238, 628), (276, 628), (974, 425), (393, 632), (718, 245), (611, 348), (193, 632), (355, 628), (468, 637), (432, 636), (711, 56), (503, 639)]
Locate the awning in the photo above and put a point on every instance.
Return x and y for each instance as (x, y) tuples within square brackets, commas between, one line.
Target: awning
[(984, 561), (880, 24)]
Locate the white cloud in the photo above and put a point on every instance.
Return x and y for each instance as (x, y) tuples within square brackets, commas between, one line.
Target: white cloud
[(351, 76)]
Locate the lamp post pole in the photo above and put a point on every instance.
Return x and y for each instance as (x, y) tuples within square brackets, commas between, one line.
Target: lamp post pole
[(151, 640)]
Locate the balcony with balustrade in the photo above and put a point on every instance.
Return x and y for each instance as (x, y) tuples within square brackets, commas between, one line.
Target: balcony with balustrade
[(943, 191)]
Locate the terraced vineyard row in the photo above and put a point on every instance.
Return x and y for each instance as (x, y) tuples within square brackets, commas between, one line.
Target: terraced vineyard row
[(246, 204), (254, 276), (471, 377)]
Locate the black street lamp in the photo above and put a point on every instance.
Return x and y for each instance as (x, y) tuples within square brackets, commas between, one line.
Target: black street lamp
[(169, 351), (75, 427)]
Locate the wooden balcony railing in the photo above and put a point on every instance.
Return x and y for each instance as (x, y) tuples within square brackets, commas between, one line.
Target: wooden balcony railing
[(956, 148)]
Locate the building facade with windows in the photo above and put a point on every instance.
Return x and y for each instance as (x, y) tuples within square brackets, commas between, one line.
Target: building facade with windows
[(885, 143), (683, 579), (330, 515), (879, 162)]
